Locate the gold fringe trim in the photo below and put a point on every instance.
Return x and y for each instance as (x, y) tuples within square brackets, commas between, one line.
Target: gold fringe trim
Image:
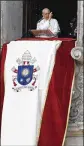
[(69, 107)]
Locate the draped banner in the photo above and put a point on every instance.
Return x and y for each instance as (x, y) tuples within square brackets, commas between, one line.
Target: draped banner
[(36, 85)]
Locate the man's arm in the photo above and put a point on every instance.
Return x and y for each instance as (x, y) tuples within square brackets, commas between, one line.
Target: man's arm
[(55, 28), (43, 26), (46, 24)]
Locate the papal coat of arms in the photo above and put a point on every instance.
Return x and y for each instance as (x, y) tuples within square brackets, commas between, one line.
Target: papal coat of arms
[(25, 76)]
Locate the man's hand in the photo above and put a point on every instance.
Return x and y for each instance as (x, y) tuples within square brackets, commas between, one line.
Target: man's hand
[(50, 15)]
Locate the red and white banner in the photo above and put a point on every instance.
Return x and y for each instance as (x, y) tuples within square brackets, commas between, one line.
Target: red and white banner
[(36, 84)]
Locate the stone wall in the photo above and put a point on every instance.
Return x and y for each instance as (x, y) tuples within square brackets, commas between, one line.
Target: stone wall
[(75, 128), (76, 115), (11, 20)]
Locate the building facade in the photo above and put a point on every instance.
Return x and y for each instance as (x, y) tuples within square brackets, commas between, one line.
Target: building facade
[(11, 29)]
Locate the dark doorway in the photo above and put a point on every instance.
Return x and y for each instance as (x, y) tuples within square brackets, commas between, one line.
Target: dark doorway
[(63, 10)]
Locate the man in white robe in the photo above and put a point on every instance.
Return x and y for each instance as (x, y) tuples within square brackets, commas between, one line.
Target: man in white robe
[(47, 22)]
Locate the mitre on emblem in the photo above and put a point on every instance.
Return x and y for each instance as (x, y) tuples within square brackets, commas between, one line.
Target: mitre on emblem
[(26, 58)]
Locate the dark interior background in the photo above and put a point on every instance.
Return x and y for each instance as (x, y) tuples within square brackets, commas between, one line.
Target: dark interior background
[(63, 10)]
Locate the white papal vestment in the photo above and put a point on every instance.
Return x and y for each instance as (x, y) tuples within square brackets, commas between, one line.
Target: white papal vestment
[(52, 25)]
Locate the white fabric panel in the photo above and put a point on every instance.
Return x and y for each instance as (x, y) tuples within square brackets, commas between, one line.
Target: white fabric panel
[(21, 116)]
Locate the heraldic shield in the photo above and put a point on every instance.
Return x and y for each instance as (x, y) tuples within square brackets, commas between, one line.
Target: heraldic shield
[(25, 74)]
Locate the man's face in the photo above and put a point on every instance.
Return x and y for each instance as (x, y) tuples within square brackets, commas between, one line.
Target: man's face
[(46, 14)]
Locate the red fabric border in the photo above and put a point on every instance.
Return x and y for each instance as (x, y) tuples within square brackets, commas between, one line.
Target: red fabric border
[(56, 107), (2, 62)]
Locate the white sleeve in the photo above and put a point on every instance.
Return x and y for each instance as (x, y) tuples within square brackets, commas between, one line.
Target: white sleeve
[(55, 28), (43, 26)]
